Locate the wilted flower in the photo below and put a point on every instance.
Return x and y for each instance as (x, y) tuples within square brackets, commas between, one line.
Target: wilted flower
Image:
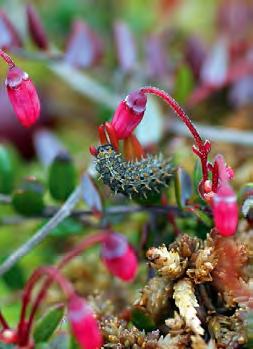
[(119, 257), (23, 96), (83, 323), (129, 114)]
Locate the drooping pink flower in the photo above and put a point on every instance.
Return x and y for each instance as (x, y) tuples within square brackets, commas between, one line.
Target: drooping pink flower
[(119, 257), (83, 323), (129, 114), (225, 210), (23, 96)]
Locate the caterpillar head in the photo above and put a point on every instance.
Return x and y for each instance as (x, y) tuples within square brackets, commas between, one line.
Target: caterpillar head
[(104, 151)]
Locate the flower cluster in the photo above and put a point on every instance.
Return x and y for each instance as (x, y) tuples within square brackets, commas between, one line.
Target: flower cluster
[(216, 192)]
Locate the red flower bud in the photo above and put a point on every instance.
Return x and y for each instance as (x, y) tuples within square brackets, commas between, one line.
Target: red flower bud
[(8, 336), (83, 323), (129, 114), (23, 96), (119, 257), (225, 210)]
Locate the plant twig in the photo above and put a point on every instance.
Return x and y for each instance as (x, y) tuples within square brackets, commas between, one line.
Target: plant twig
[(5, 199), (87, 86), (40, 235), (121, 210), (91, 88), (214, 133)]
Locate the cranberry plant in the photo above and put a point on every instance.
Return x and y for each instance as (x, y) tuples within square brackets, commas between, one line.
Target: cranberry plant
[(195, 292)]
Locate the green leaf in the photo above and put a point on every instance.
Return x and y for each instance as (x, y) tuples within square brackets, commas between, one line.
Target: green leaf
[(42, 346), (28, 198), (46, 326), (6, 171), (203, 217), (183, 84), (14, 277), (61, 177), (197, 175), (73, 343), (142, 321), (68, 226), (183, 187)]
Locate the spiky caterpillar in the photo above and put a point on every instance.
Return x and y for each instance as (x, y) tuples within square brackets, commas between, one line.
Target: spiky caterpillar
[(136, 179)]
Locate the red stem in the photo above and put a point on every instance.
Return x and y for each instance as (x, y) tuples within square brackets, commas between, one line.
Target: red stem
[(178, 110), (202, 151), (87, 242), (7, 59), (215, 176), (219, 172), (54, 275)]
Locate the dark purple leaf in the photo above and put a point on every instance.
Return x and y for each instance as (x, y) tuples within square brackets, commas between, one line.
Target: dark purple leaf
[(241, 92), (90, 194), (214, 70), (156, 56), (183, 187), (195, 54), (36, 28), (47, 146), (84, 47), (9, 36), (125, 46)]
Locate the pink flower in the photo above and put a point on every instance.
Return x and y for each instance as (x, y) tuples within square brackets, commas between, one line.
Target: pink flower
[(83, 323), (119, 257), (129, 114), (23, 96), (225, 210)]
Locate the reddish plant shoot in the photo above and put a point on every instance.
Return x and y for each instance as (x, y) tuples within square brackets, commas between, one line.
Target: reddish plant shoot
[(36, 28), (84, 47), (119, 257), (129, 114), (83, 323), (23, 96), (225, 210), (9, 37)]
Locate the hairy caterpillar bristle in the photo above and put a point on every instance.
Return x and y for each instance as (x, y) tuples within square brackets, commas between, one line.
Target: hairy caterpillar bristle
[(134, 179)]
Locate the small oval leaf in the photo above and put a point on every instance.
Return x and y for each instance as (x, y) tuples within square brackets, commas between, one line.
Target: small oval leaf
[(141, 320), (183, 187), (28, 197), (46, 326)]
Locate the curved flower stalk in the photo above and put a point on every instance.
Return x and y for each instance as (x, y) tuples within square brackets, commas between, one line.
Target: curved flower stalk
[(120, 260), (216, 192)]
